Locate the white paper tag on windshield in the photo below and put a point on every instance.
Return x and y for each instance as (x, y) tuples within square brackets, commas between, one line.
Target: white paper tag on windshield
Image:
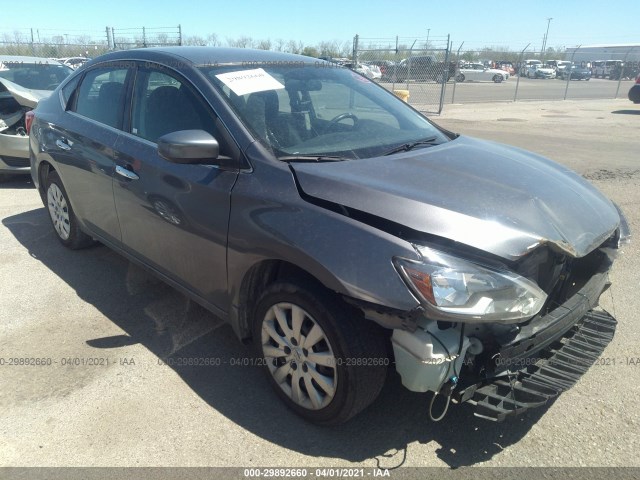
[(249, 81)]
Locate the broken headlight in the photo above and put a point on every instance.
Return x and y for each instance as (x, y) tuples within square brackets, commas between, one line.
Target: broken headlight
[(455, 289)]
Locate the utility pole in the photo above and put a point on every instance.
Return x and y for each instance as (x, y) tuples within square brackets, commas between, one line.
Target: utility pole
[(426, 45), (544, 40)]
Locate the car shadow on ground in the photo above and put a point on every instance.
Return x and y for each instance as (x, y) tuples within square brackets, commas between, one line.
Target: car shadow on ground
[(172, 328), (626, 112), (15, 182)]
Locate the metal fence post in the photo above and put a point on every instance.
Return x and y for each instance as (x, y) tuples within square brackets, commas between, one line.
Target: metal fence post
[(180, 34), (395, 66), (515, 95), (354, 54), (455, 75), (566, 88), (445, 75), (624, 64)]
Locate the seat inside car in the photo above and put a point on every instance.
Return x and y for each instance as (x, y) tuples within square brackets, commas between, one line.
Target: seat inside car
[(168, 109), (263, 114), (109, 105)]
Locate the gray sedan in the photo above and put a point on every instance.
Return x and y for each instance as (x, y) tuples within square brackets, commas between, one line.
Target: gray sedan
[(334, 226)]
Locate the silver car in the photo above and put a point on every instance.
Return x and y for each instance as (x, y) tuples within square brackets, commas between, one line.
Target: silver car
[(24, 81)]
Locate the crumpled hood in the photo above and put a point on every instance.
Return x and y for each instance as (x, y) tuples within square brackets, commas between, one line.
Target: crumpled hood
[(24, 96), (497, 198)]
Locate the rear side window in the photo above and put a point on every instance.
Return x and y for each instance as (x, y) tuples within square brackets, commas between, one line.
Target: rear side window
[(101, 96)]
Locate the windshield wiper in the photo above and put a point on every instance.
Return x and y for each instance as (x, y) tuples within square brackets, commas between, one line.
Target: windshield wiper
[(313, 158), (405, 147)]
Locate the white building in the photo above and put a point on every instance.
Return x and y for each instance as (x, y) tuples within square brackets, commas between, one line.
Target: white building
[(589, 53)]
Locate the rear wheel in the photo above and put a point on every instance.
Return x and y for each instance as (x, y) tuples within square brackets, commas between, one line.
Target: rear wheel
[(64, 221), (324, 360), (460, 78)]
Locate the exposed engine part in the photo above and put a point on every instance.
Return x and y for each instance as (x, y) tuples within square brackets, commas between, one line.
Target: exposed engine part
[(429, 357)]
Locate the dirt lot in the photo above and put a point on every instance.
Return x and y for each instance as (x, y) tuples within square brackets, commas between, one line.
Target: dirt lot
[(108, 399)]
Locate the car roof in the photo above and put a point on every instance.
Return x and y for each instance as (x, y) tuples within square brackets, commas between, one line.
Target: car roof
[(26, 59), (209, 55)]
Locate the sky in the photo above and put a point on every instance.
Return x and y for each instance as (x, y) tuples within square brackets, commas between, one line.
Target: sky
[(513, 23)]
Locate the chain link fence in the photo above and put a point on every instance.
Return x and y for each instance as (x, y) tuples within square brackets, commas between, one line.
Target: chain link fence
[(52, 44), (572, 73), (415, 67), (426, 70)]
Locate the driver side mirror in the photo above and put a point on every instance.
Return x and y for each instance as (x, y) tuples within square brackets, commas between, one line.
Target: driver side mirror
[(189, 147)]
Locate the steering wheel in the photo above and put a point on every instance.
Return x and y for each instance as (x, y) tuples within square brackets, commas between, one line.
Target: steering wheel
[(338, 118)]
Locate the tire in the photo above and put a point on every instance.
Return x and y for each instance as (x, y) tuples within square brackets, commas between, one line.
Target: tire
[(65, 224), (340, 388), (460, 78), (497, 78)]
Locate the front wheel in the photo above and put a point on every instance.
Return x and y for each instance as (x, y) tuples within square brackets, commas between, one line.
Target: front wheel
[(460, 78), (63, 219), (497, 78), (322, 357)]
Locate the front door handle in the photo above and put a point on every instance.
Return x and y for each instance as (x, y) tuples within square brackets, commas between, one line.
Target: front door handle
[(126, 173), (63, 145)]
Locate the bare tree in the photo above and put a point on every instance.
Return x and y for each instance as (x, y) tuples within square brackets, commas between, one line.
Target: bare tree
[(195, 40), (279, 46), (294, 47), (162, 38), (213, 40), (241, 42), (264, 44)]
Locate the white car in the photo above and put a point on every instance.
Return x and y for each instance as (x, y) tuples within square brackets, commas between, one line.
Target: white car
[(374, 72), (540, 71), (477, 72), (73, 62), (24, 81)]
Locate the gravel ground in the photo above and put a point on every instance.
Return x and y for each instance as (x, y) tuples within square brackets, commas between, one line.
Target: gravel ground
[(107, 399)]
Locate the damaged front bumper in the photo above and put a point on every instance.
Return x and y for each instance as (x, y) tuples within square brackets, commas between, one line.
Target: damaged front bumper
[(510, 373)]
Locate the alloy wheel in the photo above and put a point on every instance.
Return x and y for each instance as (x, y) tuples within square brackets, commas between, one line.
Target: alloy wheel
[(59, 211), (299, 356)]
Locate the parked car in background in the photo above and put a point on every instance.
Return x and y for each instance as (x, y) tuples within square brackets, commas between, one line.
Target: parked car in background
[(386, 69), (477, 72), (507, 67), (558, 65), (540, 71), (634, 91), (361, 68), (374, 71), (73, 62), (525, 66), (335, 226), (423, 68), (603, 69), (24, 81), (628, 70), (575, 72)]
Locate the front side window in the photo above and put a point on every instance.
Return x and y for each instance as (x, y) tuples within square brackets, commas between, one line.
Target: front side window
[(164, 103), (322, 110), (101, 95)]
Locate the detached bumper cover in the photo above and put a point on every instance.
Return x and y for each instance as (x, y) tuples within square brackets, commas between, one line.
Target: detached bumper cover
[(556, 351)]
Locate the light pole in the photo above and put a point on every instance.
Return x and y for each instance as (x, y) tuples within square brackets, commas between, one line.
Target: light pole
[(544, 40), (426, 45)]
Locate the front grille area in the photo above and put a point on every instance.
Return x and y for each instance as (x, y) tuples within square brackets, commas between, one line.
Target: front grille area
[(556, 369)]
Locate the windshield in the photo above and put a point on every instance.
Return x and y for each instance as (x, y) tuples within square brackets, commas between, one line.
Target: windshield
[(319, 110), (35, 76)]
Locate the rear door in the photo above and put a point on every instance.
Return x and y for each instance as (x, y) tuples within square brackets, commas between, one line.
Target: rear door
[(82, 144), (174, 217)]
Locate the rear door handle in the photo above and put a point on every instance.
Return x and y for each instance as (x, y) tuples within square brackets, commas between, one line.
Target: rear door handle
[(126, 173), (63, 145)]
